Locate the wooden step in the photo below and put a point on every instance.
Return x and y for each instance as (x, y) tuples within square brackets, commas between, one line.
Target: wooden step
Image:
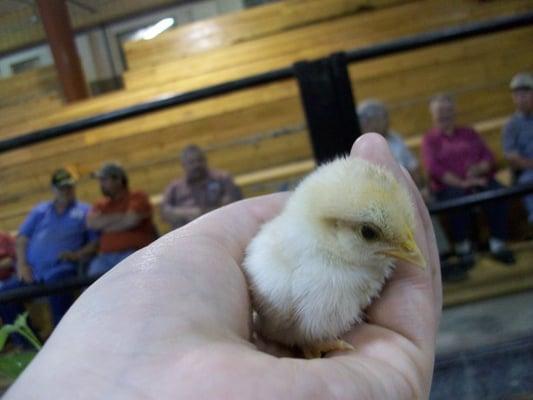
[(489, 278), (248, 25)]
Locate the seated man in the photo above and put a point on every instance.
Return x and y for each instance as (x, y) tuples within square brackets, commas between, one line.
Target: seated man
[(7, 257), (124, 219), (201, 190), (458, 163), (518, 134), (51, 242)]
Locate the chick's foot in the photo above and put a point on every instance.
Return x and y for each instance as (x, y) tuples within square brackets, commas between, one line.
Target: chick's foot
[(316, 350)]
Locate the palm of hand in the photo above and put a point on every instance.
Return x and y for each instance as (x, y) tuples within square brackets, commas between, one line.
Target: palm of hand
[(174, 321)]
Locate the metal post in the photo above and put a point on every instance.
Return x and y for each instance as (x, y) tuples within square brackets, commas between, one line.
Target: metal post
[(56, 22), (326, 95)]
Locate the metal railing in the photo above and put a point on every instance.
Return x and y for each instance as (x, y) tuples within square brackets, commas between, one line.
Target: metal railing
[(34, 290), (480, 198)]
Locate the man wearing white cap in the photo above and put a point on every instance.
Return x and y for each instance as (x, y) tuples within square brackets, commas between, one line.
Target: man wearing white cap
[(518, 134)]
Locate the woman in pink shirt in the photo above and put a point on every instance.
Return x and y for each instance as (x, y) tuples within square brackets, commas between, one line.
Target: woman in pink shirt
[(458, 163)]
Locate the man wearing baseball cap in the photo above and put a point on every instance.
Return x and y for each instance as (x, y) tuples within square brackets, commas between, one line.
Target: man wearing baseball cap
[(518, 134), (51, 242), (123, 217)]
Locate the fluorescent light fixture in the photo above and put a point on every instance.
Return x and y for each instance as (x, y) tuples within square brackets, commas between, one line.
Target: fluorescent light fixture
[(156, 29)]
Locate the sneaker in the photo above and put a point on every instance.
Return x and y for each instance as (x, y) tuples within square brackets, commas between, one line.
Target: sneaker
[(504, 256)]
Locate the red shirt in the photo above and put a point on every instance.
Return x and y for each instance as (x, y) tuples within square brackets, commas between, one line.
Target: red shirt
[(455, 153), (135, 238), (7, 249)]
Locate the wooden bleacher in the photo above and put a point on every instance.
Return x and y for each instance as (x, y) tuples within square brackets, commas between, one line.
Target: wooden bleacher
[(30, 94), (350, 30), (253, 131), (490, 278), (225, 31), (31, 84)]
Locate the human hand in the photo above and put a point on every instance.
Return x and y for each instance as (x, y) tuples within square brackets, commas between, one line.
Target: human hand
[(6, 262), (173, 321), (476, 182), (478, 170), (72, 256), (24, 272), (480, 182), (473, 171)]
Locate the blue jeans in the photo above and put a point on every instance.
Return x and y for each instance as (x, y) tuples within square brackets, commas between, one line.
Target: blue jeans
[(496, 212), (103, 262), (59, 304), (527, 177)]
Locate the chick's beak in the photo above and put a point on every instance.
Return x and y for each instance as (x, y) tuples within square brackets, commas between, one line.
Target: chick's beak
[(408, 251)]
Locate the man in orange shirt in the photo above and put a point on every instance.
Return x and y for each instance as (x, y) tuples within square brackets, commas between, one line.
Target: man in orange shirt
[(124, 219)]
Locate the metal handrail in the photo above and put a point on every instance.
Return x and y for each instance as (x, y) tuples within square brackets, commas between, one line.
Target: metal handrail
[(34, 290), (441, 36), (475, 199)]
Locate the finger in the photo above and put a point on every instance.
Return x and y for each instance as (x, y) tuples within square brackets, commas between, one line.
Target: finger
[(431, 243), (407, 303)]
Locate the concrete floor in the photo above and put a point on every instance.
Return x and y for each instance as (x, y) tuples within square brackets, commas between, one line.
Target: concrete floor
[(485, 323), (485, 350)]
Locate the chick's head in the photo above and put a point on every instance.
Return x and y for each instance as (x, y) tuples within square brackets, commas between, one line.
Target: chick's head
[(358, 213)]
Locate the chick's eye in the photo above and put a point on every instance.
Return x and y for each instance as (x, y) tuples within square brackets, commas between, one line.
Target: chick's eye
[(369, 233)]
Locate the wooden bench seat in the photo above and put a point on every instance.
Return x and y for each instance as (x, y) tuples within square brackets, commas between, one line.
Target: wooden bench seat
[(27, 95), (33, 109), (254, 23), (490, 278), (326, 37), (32, 82)]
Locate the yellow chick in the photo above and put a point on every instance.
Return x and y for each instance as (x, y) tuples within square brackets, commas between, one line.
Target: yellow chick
[(314, 268)]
